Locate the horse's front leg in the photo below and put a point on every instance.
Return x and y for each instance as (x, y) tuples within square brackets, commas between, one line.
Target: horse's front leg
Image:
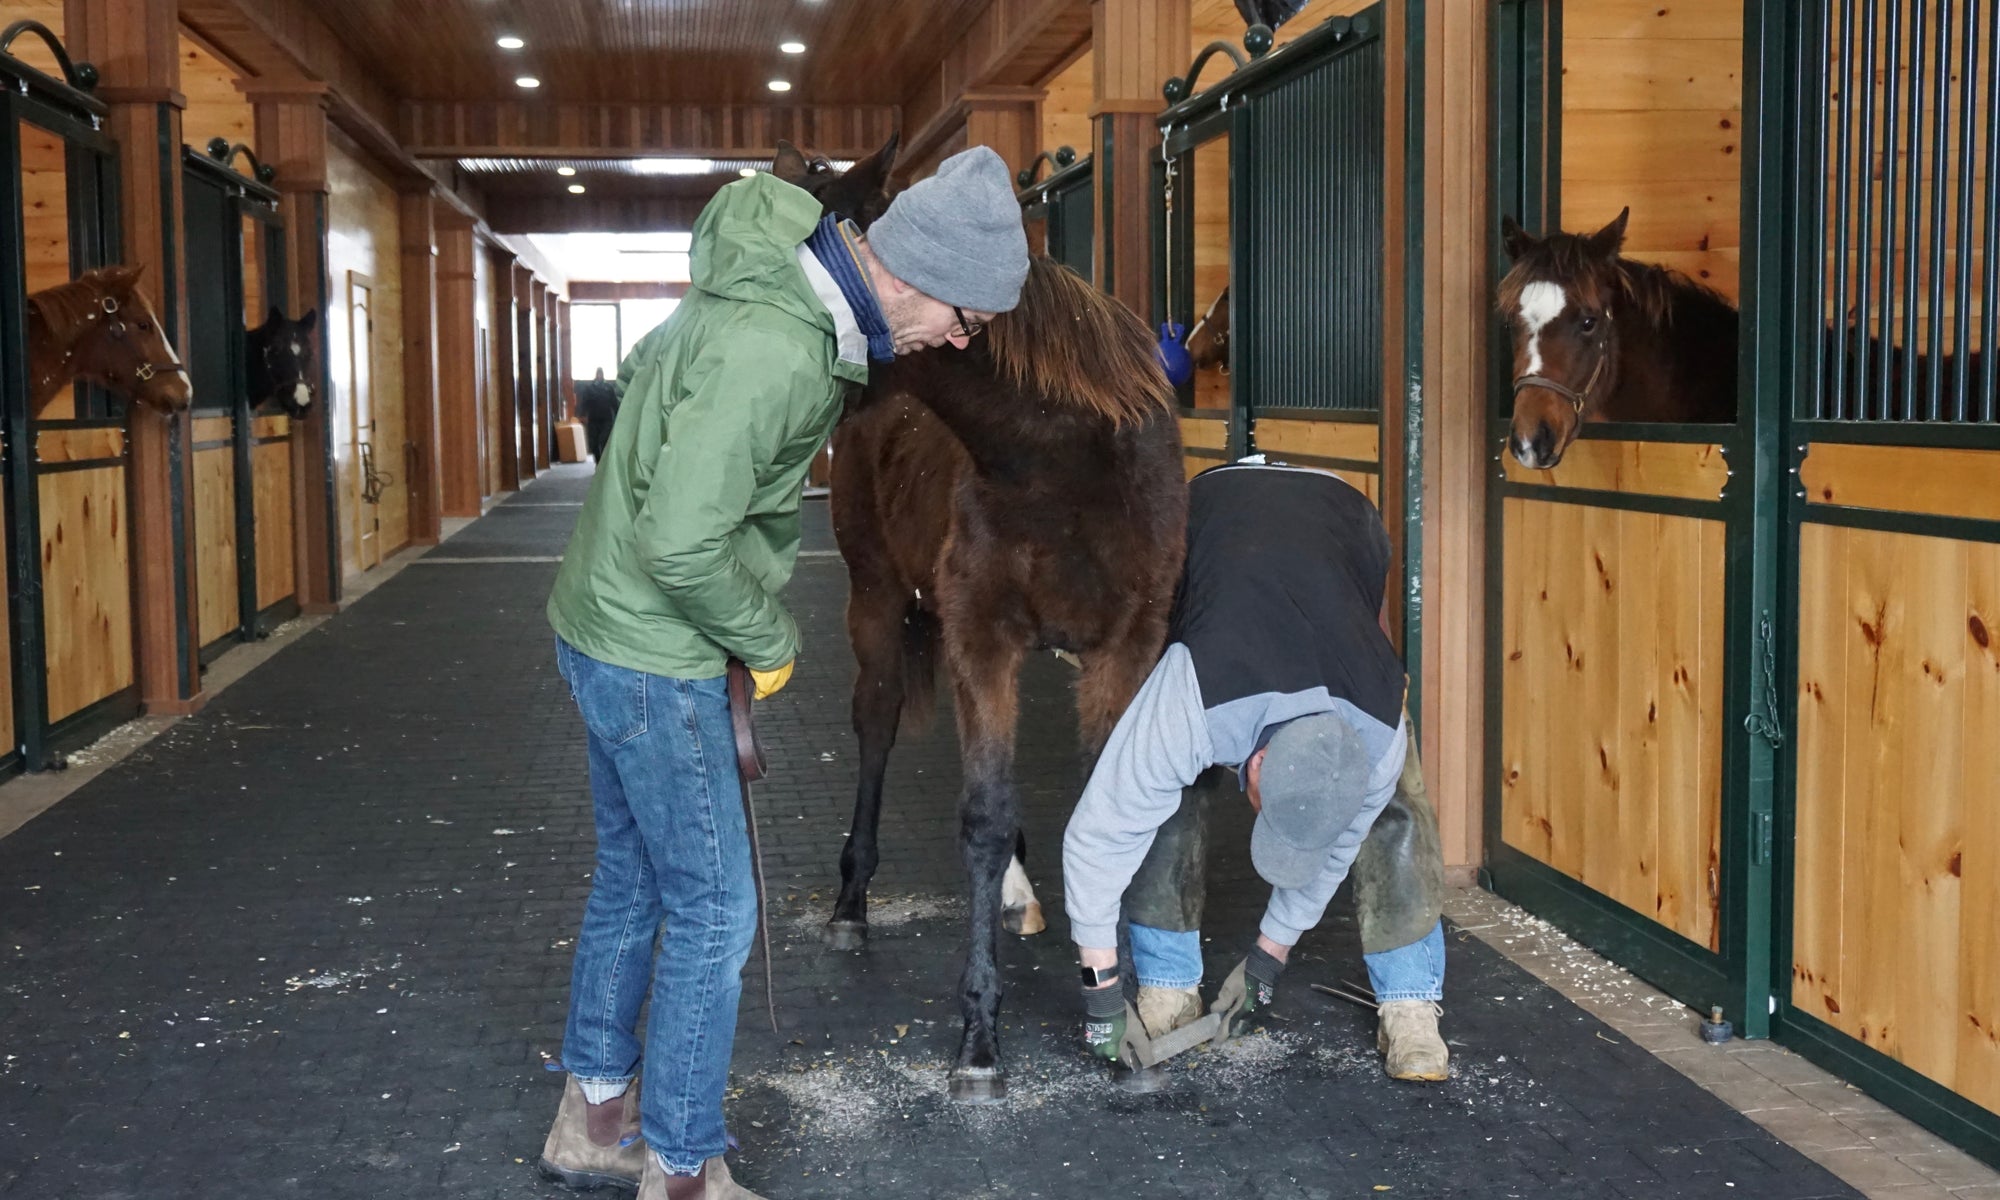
[(984, 670)]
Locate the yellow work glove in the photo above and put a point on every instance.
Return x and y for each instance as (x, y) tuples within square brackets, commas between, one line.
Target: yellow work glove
[(770, 683)]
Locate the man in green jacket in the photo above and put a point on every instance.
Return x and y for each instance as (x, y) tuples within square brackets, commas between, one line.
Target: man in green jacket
[(690, 531)]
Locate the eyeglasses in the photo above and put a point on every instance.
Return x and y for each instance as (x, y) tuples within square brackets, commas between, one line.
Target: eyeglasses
[(966, 328)]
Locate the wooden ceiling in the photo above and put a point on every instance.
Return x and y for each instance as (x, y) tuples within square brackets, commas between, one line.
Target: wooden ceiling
[(652, 51)]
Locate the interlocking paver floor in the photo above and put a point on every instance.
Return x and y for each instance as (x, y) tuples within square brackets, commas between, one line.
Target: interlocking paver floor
[(315, 941)]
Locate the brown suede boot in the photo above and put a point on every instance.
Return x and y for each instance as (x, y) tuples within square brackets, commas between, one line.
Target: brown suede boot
[(713, 1183), (1410, 1043), (582, 1151), (1163, 1010)]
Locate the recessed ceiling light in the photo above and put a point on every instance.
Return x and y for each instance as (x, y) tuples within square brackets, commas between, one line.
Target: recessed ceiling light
[(792, 47), (780, 85), (528, 81), (565, 170), (510, 42), (576, 189), (747, 172)]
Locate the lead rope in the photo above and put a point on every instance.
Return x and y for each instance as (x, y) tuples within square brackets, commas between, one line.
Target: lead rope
[(750, 768), (763, 909)]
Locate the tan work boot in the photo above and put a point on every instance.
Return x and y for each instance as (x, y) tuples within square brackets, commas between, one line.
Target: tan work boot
[(1408, 1039), (582, 1151), (1163, 1010), (713, 1183)]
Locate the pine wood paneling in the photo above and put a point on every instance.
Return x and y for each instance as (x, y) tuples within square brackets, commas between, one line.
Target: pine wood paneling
[(215, 107), (1321, 439), (1611, 684), (86, 588), (78, 445), (1066, 108), (215, 542), (1211, 255), (1896, 915), (271, 468), (1652, 118), (1205, 434), (1689, 470), (1950, 483)]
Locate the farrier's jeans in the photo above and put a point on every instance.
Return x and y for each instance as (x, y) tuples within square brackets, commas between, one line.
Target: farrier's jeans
[(671, 844), (1172, 959)]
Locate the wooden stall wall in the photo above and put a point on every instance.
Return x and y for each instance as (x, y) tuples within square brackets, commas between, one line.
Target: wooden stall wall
[(1611, 680), (1652, 118), (1896, 902), (271, 465), (1066, 107), (216, 107), (86, 572), (215, 546), (364, 241)]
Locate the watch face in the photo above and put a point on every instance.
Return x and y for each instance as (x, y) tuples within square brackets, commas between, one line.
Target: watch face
[(1097, 977)]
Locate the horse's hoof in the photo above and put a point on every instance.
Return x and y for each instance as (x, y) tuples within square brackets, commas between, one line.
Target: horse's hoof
[(1140, 1081), (845, 935), (978, 1085), (1025, 920)]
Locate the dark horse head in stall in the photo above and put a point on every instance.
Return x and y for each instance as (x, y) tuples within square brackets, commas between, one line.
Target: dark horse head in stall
[(860, 193), (280, 361)]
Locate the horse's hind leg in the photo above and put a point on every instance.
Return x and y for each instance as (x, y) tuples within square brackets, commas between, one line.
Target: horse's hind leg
[(984, 675), (876, 627)]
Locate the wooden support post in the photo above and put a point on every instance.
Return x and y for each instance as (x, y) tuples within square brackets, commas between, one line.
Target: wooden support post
[(134, 44), (520, 313), (1009, 119), (1137, 45), (500, 273), (1457, 306), (291, 136), (538, 317), (565, 372), (420, 366), (461, 426)]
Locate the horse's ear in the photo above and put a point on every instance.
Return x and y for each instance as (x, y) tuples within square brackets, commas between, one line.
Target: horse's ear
[(1516, 239), (789, 165), (277, 316), (871, 175), (124, 275), (307, 322), (1606, 242)]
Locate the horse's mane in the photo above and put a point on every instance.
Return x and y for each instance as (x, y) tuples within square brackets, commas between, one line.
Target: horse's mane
[(1564, 259), (68, 307), (1070, 342)]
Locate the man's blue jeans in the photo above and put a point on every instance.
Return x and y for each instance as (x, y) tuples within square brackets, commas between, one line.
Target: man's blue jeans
[(1168, 958), (671, 845)]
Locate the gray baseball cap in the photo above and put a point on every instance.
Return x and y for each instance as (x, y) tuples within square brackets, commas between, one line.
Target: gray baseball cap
[(1312, 785)]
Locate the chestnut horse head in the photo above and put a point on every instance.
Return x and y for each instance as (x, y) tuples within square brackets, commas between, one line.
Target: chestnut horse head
[(101, 328)]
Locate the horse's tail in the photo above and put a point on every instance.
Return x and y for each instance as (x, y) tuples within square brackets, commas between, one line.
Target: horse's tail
[(920, 664)]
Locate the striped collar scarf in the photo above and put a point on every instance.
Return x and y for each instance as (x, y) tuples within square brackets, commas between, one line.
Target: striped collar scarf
[(834, 245)]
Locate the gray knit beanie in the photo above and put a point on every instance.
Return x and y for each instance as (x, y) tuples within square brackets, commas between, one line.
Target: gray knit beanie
[(957, 236)]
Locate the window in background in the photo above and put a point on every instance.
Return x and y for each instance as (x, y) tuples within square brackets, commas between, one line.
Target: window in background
[(594, 340), (641, 317)]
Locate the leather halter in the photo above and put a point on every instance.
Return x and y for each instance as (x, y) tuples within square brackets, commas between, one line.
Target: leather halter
[(1577, 397), (117, 328)]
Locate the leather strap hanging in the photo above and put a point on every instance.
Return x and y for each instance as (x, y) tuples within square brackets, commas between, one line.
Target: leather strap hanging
[(750, 766)]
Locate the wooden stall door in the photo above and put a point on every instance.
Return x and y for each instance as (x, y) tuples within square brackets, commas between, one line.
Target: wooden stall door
[(363, 494)]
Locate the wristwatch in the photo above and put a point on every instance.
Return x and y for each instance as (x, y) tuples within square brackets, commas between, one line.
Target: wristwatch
[(1099, 976)]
